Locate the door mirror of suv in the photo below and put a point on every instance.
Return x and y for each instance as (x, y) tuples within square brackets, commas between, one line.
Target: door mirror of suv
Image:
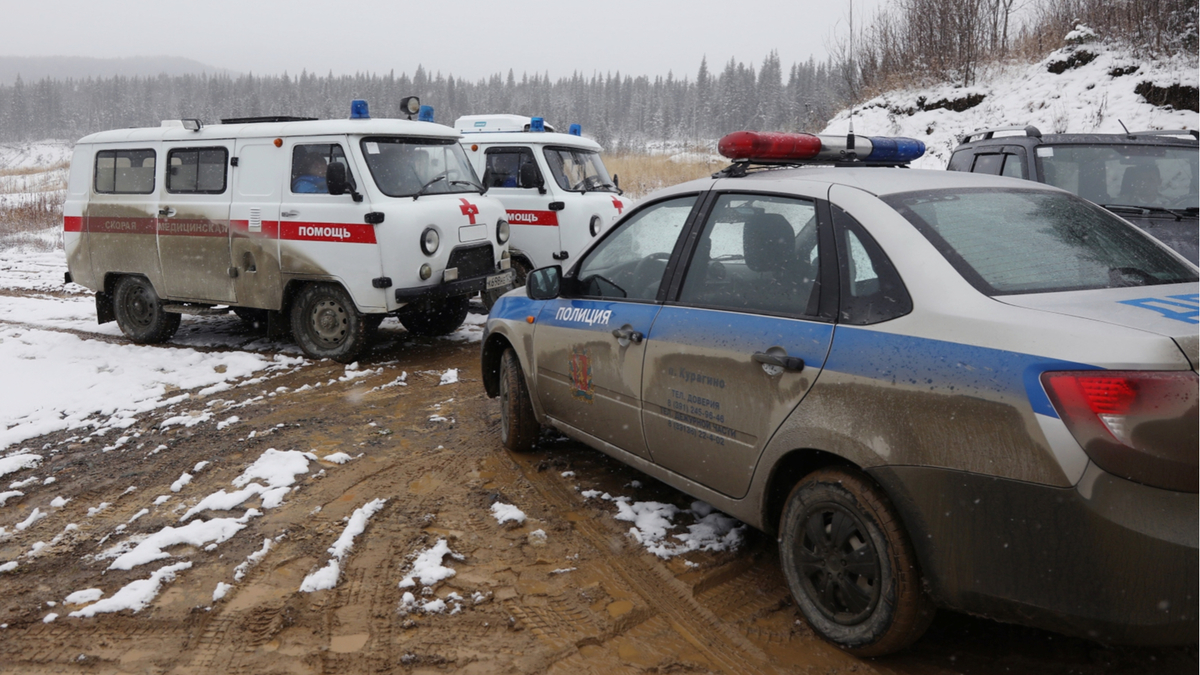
[(337, 181), (528, 176), (543, 284)]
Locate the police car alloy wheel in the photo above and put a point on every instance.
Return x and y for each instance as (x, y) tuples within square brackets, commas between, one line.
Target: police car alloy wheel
[(140, 313), (518, 426), (850, 565), (326, 325)]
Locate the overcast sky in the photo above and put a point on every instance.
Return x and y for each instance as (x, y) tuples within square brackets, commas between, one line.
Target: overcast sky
[(466, 38)]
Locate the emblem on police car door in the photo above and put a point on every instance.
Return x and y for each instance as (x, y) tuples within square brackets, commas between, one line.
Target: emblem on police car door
[(581, 375)]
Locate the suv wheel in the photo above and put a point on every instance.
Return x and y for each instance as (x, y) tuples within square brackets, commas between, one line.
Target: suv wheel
[(439, 319), (518, 427), (326, 324), (850, 565), (140, 313)]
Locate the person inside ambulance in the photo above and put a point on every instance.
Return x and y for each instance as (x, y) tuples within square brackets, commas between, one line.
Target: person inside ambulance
[(308, 173)]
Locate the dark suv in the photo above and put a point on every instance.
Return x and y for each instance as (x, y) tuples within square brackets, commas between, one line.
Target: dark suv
[(1148, 178)]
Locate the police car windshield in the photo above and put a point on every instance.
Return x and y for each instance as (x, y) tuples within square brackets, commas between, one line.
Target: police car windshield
[(1148, 176), (578, 170), (406, 167), (1006, 241)]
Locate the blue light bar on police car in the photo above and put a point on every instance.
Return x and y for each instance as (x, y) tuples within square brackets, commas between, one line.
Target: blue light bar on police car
[(575, 130), (792, 148), (894, 149), (425, 114), (358, 110)]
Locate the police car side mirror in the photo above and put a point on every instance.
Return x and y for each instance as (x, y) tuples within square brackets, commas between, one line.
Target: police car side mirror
[(543, 284)]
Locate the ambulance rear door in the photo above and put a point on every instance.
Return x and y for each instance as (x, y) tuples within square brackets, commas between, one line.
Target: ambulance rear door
[(512, 175), (193, 222), (259, 179)]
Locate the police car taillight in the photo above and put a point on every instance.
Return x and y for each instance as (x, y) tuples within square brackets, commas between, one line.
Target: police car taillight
[(1140, 425), (767, 146)]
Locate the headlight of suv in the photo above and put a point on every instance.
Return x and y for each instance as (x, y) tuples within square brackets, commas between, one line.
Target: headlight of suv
[(502, 231), (430, 241)]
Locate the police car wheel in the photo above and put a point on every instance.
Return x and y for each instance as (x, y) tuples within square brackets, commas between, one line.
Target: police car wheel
[(518, 427), (439, 318), (140, 313), (850, 565), (326, 324)]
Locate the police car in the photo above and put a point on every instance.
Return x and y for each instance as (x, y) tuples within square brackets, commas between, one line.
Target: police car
[(938, 389), (321, 226), (554, 186)]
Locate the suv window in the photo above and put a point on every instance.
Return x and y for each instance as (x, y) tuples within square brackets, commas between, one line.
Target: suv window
[(578, 170), (1018, 241), (309, 163), (407, 167), (197, 170), (1124, 175), (872, 290), (757, 254), (631, 260), (511, 168), (125, 172)]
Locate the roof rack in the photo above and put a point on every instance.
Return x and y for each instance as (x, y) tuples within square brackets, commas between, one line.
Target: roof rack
[(988, 134), (1168, 132), (267, 118)]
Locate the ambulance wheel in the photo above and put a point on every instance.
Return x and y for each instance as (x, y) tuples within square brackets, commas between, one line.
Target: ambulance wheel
[(326, 325), (440, 318), (850, 565), (518, 427), (140, 313)]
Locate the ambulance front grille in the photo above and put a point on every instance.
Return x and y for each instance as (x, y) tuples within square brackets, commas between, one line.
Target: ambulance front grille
[(472, 261)]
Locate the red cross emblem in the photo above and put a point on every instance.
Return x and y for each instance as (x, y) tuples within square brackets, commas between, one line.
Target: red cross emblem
[(618, 204), (468, 209)]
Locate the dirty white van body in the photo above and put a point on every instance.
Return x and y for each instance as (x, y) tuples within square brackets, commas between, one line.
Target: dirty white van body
[(192, 219), (554, 186)]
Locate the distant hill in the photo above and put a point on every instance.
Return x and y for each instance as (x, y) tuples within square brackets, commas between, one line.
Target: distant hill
[(34, 68)]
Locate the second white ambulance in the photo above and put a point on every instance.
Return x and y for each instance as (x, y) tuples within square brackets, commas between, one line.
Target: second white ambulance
[(323, 227)]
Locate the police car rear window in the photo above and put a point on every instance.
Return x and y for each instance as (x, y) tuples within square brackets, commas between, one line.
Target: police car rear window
[(1016, 241)]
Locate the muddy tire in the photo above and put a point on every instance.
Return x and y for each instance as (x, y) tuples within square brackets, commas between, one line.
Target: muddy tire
[(441, 318), (326, 324), (850, 565), (519, 429), (140, 314)]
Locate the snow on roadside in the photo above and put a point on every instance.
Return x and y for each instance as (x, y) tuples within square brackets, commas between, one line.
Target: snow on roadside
[(507, 512), (327, 577), (136, 594), (427, 569), (142, 549), (653, 522), (17, 462), (277, 469)]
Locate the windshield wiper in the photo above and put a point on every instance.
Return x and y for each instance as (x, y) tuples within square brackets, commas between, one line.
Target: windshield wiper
[(427, 186), (477, 186), (1130, 208)]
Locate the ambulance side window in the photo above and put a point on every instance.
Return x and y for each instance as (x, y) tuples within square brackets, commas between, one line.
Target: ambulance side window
[(197, 170), (125, 172), (309, 163), (511, 168)]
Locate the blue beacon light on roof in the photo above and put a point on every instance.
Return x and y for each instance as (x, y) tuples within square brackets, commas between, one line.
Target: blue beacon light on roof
[(358, 110), (575, 130), (537, 124), (896, 149), (425, 114)]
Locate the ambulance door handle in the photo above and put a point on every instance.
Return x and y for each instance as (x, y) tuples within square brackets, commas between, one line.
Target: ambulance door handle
[(166, 212), (290, 214)]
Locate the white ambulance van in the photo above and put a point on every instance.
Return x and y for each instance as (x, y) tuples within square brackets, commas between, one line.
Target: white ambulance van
[(555, 189), (323, 227)]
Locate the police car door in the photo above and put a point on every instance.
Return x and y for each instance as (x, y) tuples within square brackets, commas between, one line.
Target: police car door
[(590, 342), (512, 175), (737, 351), (193, 222)]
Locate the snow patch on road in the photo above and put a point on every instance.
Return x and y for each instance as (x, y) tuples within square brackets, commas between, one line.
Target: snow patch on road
[(136, 594), (327, 577)]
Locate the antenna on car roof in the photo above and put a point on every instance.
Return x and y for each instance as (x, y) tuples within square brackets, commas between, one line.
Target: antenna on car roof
[(1127, 132), (850, 154)]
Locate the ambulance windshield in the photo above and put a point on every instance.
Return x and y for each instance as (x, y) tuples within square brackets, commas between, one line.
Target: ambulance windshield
[(408, 167), (579, 170)]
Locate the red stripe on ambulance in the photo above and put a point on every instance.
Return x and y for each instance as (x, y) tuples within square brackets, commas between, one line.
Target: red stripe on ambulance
[(193, 228), (348, 233), (533, 218), (72, 224)]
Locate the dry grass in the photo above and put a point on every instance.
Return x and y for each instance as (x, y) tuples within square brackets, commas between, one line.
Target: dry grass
[(42, 212), (642, 174), (30, 170)]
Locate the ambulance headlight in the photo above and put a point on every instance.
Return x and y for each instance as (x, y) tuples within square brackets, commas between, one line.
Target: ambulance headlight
[(426, 272), (430, 241), (594, 226), (502, 231)]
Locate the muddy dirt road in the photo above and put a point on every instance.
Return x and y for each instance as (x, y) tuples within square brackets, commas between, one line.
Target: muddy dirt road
[(566, 591)]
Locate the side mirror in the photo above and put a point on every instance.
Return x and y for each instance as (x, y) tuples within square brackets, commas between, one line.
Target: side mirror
[(543, 284), (335, 179), (616, 181)]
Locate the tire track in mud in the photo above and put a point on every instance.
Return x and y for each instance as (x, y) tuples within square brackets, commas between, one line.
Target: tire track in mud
[(726, 649)]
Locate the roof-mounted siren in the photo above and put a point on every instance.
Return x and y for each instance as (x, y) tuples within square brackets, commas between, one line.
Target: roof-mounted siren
[(768, 147), (425, 113), (779, 148), (358, 110), (884, 149), (575, 130), (537, 125), (410, 105)]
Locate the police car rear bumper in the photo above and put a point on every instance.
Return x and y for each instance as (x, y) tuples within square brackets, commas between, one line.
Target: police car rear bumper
[(452, 289)]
